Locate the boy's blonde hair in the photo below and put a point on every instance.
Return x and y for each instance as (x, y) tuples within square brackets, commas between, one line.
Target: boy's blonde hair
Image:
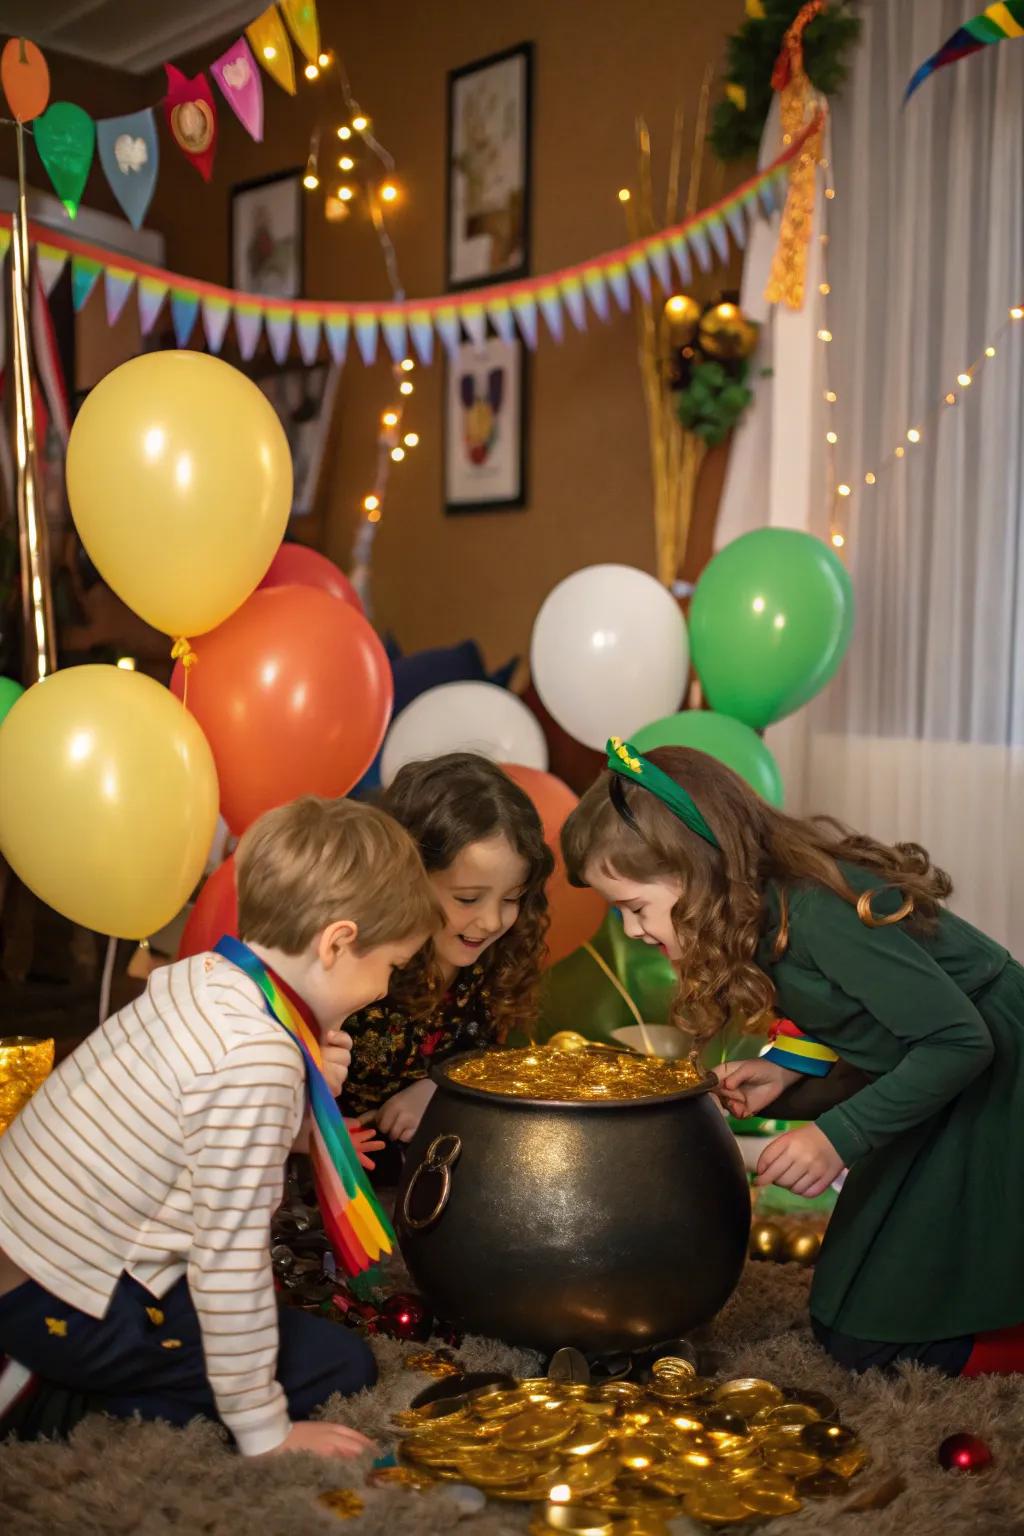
[(315, 862)]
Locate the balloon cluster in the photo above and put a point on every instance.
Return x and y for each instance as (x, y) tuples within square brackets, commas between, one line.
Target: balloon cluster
[(708, 363)]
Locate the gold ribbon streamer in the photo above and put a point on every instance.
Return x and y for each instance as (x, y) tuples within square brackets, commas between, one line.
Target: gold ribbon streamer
[(182, 651), (788, 274)]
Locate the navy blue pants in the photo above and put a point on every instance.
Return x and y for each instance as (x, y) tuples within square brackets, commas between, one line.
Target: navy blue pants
[(146, 1357)]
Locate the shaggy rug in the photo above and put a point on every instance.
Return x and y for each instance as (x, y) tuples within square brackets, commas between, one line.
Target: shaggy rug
[(147, 1480)]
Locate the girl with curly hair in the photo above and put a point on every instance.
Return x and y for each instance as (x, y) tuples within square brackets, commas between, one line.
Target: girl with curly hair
[(481, 841), (850, 940)]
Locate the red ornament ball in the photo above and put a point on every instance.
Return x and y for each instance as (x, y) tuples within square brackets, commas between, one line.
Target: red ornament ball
[(406, 1317), (964, 1453)]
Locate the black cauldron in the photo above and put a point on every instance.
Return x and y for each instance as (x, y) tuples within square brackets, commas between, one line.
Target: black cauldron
[(606, 1225)]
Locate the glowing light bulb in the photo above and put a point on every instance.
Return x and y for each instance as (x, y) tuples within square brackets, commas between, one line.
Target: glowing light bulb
[(126, 663), (311, 180), (407, 365), (398, 454), (411, 439), (311, 71), (913, 435), (830, 193), (869, 478), (900, 452), (990, 351), (824, 287), (346, 194), (831, 437), (1016, 313), (390, 418), (844, 489), (374, 516), (371, 503), (758, 605), (406, 387), (624, 194), (389, 192), (951, 398), (838, 540), (269, 52), (344, 132), (831, 396), (324, 60), (346, 163), (360, 123), (824, 335), (963, 379)]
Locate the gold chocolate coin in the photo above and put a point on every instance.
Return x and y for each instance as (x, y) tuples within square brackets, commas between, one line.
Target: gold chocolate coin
[(574, 1519), (644, 1523), (792, 1460), (747, 1395), (769, 1494), (638, 1452), (585, 1440), (824, 1484), (673, 1365), (343, 1502), (499, 1403), (686, 1420), (715, 1504), (402, 1477), (786, 1413), (592, 1475), (496, 1469), (537, 1431), (673, 1388), (625, 1393), (849, 1463), (450, 1409), (828, 1440)]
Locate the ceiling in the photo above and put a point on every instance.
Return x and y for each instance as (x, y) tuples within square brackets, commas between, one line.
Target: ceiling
[(130, 35)]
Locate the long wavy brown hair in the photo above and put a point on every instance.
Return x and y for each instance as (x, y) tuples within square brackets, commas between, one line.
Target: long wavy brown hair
[(447, 804), (720, 915)]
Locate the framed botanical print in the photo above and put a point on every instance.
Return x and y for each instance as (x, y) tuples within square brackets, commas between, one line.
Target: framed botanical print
[(489, 169), (485, 427), (266, 236)]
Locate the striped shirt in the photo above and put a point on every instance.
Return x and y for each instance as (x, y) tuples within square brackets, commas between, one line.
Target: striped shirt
[(158, 1149)]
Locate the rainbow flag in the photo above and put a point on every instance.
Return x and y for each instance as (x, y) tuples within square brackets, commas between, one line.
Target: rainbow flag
[(356, 1227), (992, 25)]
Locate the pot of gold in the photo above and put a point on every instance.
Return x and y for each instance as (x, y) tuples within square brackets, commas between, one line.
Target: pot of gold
[(585, 1197)]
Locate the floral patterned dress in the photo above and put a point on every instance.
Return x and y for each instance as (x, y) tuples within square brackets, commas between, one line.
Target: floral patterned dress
[(390, 1050)]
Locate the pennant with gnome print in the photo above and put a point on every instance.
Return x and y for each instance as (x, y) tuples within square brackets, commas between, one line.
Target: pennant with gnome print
[(192, 118), (270, 45), (130, 157), (237, 74), (303, 25)]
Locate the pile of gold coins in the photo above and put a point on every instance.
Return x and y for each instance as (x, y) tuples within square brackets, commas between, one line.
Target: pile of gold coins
[(619, 1459), (575, 1076)]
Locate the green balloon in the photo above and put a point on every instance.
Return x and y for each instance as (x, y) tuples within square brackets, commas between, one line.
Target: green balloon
[(577, 994), (10, 693), (65, 137), (730, 741), (769, 624)]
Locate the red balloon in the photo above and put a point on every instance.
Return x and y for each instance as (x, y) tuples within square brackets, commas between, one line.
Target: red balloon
[(294, 694), (575, 915), (296, 565), (214, 914)]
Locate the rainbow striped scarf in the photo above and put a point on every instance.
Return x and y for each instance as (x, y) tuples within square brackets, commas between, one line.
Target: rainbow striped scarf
[(356, 1227)]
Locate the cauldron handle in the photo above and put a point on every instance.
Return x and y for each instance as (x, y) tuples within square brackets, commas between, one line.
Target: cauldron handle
[(439, 1159)]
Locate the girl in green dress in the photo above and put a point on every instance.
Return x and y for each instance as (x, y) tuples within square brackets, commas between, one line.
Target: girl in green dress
[(850, 939)]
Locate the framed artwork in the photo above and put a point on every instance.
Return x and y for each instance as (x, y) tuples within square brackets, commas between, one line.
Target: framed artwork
[(304, 400), (488, 217), (266, 236), (485, 427)]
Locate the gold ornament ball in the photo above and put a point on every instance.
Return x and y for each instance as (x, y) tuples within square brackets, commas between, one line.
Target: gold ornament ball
[(803, 1247), (767, 1241), (683, 316), (726, 333)]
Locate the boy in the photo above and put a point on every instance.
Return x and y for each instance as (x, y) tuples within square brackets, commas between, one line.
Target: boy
[(138, 1185)]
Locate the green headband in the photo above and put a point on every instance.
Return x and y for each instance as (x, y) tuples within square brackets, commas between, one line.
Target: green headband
[(628, 763)]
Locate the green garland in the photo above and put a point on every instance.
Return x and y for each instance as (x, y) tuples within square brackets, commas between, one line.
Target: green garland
[(738, 122)]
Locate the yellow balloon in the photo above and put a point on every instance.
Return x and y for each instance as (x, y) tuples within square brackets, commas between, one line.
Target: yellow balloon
[(108, 799), (180, 484)]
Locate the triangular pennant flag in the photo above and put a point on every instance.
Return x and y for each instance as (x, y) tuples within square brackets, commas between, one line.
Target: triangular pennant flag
[(719, 237), (641, 275), (279, 333), (248, 323), (85, 273), (657, 255), (769, 193), (474, 318), (366, 337), (701, 248), (737, 225), (597, 291), (184, 313), (422, 331), (270, 45), (307, 330), (238, 75), (336, 328), (449, 326), (216, 314), (151, 295), (681, 257), (618, 282), (192, 118), (65, 141), (551, 309), (575, 303), (130, 157), (52, 262), (393, 326), (525, 310), (499, 312), (303, 26)]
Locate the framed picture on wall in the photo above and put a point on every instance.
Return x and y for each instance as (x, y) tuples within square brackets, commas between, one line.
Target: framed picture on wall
[(304, 400), (266, 235), (485, 427), (489, 168)]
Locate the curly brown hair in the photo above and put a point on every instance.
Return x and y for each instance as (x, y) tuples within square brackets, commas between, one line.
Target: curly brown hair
[(720, 914), (447, 804)]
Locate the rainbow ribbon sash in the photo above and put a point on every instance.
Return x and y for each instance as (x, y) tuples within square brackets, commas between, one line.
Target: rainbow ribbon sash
[(356, 1226), (791, 1048)]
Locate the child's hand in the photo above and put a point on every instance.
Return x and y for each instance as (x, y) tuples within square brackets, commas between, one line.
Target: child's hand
[(323, 1439), (364, 1140), (745, 1087), (336, 1055), (399, 1117), (804, 1161)]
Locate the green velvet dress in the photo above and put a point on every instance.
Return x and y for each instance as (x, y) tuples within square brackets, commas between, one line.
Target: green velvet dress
[(927, 1239)]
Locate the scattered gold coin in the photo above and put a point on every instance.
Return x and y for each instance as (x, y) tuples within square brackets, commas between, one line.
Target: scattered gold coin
[(343, 1502)]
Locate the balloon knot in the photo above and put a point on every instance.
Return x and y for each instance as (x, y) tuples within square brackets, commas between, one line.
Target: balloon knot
[(182, 651)]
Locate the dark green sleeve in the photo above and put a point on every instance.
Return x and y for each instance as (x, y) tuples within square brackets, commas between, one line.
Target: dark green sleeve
[(810, 1097), (945, 1040)]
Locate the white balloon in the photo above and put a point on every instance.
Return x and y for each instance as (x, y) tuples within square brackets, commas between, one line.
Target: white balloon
[(464, 717), (609, 653)]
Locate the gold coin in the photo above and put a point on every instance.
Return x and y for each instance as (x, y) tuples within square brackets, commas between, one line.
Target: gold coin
[(450, 1409), (850, 1462), (639, 1418), (343, 1502), (431, 1453), (769, 1494), (675, 1387), (825, 1407), (715, 1505), (644, 1523), (726, 1421), (786, 1413), (828, 1440), (536, 1491), (793, 1461), (686, 1420), (403, 1477), (575, 1520), (592, 1475), (747, 1395), (625, 1393), (638, 1452), (596, 1408), (537, 1431), (585, 1440), (498, 1403), (674, 1478), (824, 1484), (673, 1365), (496, 1469)]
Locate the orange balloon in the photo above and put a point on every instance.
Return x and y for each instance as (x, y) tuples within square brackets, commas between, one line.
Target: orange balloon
[(26, 78), (575, 915), (294, 694), (214, 914)]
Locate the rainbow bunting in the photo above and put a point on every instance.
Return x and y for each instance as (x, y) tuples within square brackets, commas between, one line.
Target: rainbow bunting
[(85, 274), (700, 248), (117, 287), (474, 318), (719, 238), (993, 25), (422, 332), (307, 331), (336, 328), (597, 291), (216, 315), (51, 264), (151, 295), (366, 337), (279, 333), (657, 255), (393, 327), (356, 1226), (499, 312), (551, 309), (618, 281), (184, 314), (575, 303), (248, 324), (681, 257), (448, 326), (640, 273), (525, 310)]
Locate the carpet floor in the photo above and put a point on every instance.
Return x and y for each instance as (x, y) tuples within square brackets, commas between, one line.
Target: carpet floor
[(147, 1480)]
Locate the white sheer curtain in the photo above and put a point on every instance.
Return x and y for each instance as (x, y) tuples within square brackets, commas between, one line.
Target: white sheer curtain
[(922, 735)]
